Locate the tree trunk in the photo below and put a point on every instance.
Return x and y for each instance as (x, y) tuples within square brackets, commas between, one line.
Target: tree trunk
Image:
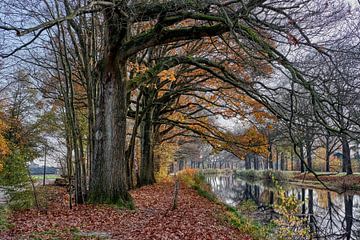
[(327, 155), (147, 159), (270, 162), (69, 164), (292, 159), (130, 152), (303, 207), (348, 202), (308, 154), (302, 160), (109, 180), (346, 163), (311, 211), (247, 162), (282, 162)]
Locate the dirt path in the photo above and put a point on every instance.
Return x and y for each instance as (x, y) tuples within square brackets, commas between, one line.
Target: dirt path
[(195, 218)]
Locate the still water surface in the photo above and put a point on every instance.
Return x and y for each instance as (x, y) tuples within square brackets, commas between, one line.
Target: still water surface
[(330, 215)]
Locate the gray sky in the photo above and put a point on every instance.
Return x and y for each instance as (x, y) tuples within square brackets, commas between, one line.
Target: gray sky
[(354, 2)]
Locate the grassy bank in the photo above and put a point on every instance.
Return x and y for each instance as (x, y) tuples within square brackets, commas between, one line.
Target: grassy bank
[(338, 182), (265, 175), (216, 171)]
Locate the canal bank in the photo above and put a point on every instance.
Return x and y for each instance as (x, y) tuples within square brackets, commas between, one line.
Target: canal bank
[(338, 182), (328, 214)]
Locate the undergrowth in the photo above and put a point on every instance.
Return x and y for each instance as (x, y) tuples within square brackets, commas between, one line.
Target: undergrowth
[(4, 214)]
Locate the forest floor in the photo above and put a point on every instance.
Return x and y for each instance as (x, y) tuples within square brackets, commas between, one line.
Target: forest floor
[(195, 218)]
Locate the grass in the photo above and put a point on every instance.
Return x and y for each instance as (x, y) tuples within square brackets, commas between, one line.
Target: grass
[(248, 226), (216, 171), (47, 176), (4, 214)]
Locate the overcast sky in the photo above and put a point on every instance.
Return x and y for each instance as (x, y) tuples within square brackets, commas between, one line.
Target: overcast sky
[(354, 2)]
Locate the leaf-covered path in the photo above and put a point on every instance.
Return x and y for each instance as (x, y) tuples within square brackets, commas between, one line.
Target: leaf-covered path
[(195, 218)]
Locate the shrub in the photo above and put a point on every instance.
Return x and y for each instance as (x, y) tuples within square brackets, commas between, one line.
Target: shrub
[(16, 181), (20, 199), (4, 212), (289, 225), (187, 176)]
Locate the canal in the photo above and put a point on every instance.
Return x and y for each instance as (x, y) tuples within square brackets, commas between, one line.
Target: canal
[(329, 215)]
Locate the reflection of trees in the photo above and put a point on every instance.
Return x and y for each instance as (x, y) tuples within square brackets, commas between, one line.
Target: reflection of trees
[(226, 188), (303, 201), (348, 201), (312, 221), (330, 215), (234, 191), (333, 221)]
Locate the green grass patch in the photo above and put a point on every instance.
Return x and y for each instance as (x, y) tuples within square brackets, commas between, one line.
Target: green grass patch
[(248, 226), (4, 215), (47, 176), (216, 171), (208, 195), (247, 207)]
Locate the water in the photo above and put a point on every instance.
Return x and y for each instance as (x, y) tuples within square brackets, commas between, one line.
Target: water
[(330, 215)]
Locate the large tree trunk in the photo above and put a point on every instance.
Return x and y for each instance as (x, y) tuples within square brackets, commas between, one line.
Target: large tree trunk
[(109, 178), (109, 181), (346, 163)]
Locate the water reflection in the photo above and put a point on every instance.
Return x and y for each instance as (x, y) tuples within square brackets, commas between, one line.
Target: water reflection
[(330, 215)]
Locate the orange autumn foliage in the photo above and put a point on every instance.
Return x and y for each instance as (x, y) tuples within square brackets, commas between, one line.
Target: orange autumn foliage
[(4, 148)]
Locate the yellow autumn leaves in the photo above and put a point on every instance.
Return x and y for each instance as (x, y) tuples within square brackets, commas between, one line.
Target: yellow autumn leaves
[(4, 148), (290, 225), (167, 75)]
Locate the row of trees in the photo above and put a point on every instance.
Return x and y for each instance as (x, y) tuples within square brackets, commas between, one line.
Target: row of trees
[(125, 79)]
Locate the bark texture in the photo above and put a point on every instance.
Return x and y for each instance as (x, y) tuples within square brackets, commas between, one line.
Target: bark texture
[(109, 181)]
